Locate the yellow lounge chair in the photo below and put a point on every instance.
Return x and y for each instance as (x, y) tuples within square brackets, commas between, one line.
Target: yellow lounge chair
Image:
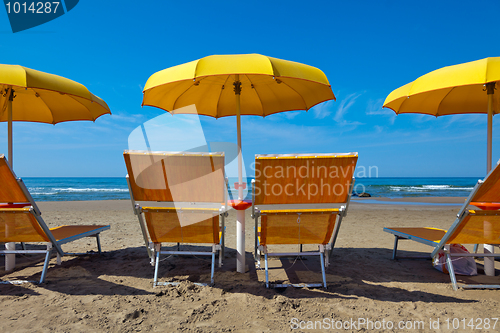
[(301, 200), (188, 194), (21, 221), (472, 226)]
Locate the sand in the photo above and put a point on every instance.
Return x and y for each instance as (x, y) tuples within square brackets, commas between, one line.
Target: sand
[(113, 292)]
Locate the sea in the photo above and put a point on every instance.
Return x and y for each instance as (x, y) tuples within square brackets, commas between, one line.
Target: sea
[(83, 189)]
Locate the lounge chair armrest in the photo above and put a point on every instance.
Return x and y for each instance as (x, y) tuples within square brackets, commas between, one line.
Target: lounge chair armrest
[(223, 211), (255, 213), (342, 211)]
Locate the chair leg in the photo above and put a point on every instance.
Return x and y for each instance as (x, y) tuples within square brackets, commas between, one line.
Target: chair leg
[(157, 264), (223, 238), (145, 235), (257, 256), (213, 268), (335, 233), (152, 254), (267, 269), (395, 250), (258, 259), (327, 256), (221, 254), (449, 265), (323, 267), (256, 234), (98, 239), (46, 263)]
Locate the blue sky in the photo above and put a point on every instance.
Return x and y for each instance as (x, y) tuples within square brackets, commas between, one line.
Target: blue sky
[(366, 49)]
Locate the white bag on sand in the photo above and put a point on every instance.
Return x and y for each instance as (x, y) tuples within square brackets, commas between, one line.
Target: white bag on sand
[(461, 265)]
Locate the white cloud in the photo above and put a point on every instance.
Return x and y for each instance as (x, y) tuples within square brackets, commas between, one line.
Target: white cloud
[(323, 110), (291, 114), (342, 110), (374, 108), (468, 119), (378, 129), (344, 106)]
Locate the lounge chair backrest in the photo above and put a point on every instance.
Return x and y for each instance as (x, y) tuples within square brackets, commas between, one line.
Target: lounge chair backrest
[(296, 179), (19, 225), (10, 191), (490, 189), (176, 177), (478, 227)]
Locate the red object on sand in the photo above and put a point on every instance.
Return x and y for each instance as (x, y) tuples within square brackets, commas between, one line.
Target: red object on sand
[(486, 205), (14, 205), (240, 204)]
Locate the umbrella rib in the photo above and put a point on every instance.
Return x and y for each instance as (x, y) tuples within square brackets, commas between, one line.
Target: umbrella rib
[(441, 101), (74, 99), (88, 110), (180, 95), (220, 96), (64, 93), (45, 104), (258, 96), (300, 95)]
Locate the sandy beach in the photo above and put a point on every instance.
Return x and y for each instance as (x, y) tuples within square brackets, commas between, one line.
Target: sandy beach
[(113, 292)]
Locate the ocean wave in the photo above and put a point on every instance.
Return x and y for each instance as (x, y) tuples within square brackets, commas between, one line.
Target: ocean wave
[(70, 189), (42, 193), (45, 191), (423, 188)]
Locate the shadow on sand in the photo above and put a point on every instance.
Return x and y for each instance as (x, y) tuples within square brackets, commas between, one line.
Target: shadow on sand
[(353, 273)]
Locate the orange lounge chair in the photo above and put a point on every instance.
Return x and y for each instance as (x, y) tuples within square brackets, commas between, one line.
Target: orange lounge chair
[(301, 199), (472, 226), (184, 194), (21, 221)]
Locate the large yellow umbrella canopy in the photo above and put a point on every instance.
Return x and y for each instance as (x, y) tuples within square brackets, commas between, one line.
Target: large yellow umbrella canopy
[(234, 85), (34, 96), (47, 98), (30, 95), (268, 86), (459, 89)]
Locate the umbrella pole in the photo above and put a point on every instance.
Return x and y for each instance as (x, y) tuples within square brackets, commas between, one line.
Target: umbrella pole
[(490, 88), (489, 262), (10, 259), (240, 214), (9, 126)]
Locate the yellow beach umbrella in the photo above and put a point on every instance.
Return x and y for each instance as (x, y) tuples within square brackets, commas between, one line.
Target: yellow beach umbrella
[(234, 85), (30, 95), (459, 89)]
